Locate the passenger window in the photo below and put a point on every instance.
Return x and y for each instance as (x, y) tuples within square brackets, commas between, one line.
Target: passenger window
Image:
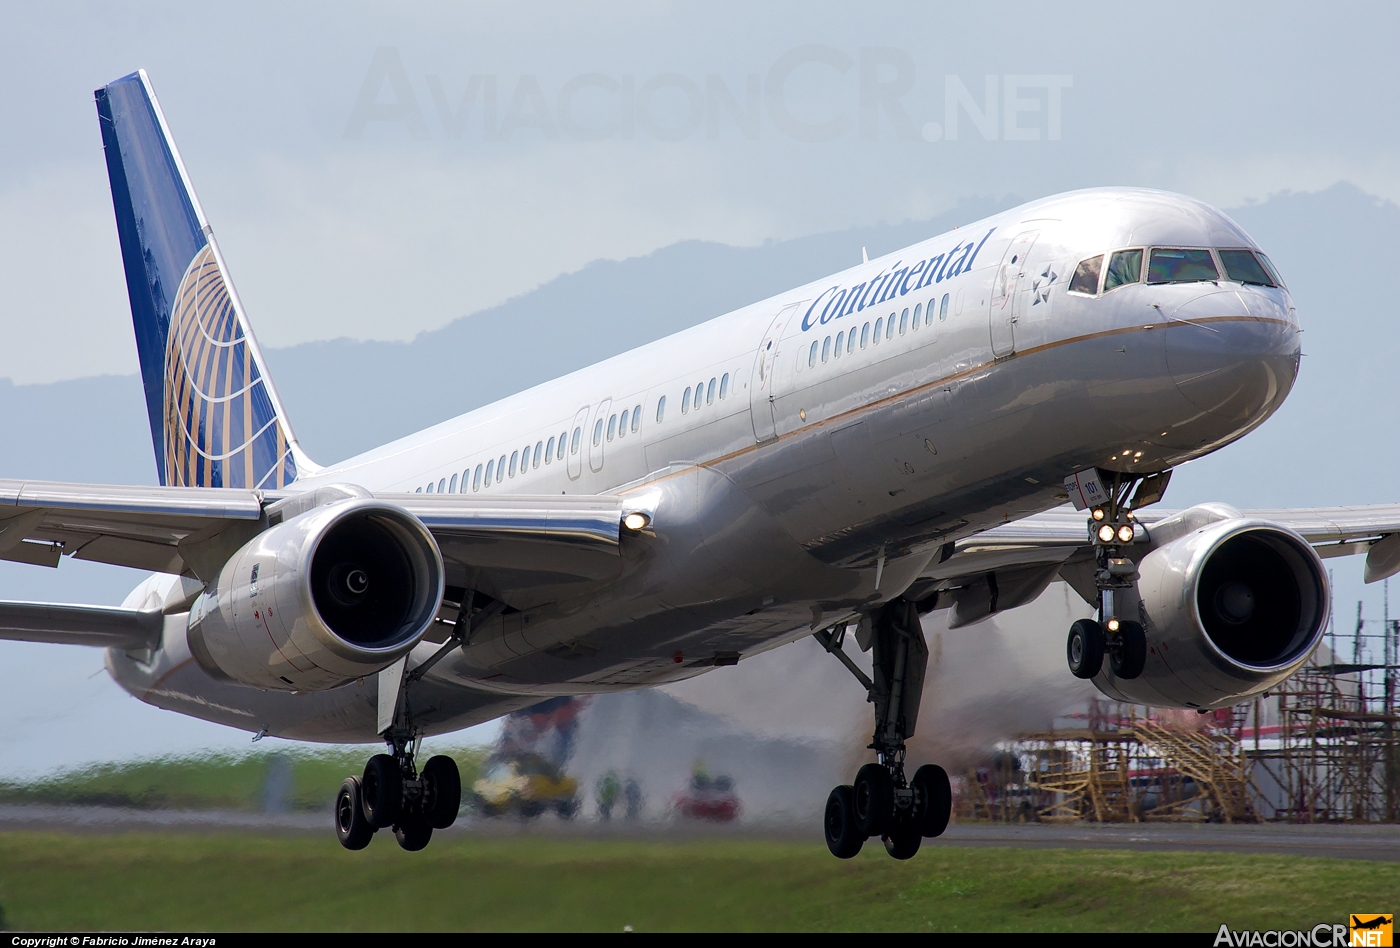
[(514, 456), (685, 400), (840, 341), (1241, 267), (1170, 265), (573, 445), (1124, 267), (710, 392), (452, 488), (622, 422), (490, 471), (851, 341), (914, 323), (1086, 276), (598, 432), (903, 320), (612, 426), (430, 488), (419, 491), (699, 393), (879, 325), (476, 478), (549, 451), (660, 409), (724, 386), (942, 308), (889, 327), (812, 355), (539, 447), (501, 469), (864, 335), (637, 417), (826, 348)]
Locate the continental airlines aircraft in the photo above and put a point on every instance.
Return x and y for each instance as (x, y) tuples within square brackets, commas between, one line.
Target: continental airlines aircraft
[(835, 461)]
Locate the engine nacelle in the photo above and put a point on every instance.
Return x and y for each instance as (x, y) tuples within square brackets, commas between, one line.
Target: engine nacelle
[(334, 594), (1230, 609)]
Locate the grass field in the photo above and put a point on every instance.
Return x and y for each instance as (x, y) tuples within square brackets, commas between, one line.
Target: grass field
[(188, 881), (304, 780)]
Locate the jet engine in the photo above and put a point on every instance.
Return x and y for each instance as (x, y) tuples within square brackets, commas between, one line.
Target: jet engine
[(331, 595), (1230, 609)]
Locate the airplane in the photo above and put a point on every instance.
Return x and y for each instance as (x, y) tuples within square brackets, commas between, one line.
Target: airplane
[(952, 426)]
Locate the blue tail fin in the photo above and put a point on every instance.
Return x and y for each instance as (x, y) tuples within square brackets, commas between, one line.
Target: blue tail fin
[(215, 418)]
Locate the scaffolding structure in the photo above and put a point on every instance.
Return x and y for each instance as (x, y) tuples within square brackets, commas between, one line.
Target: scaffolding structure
[(1336, 756), (1323, 747), (1129, 765)]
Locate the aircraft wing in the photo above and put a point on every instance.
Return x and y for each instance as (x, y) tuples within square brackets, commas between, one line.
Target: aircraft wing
[(506, 541), (1333, 531), (102, 626), (1013, 562)]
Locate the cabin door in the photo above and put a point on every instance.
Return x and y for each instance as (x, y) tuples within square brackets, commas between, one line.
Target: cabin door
[(1008, 278), (763, 386)]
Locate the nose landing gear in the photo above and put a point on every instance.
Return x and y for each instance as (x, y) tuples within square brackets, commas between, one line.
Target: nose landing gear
[(1112, 527), (882, 802)]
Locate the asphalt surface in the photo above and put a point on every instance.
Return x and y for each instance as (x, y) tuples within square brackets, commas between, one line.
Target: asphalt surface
[(1369, 842)]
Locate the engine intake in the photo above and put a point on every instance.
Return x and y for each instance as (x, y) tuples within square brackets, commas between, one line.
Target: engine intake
[(334, 594), (1230, 609)]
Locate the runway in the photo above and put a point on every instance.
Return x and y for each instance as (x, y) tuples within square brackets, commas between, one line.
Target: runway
[(1377, 842)]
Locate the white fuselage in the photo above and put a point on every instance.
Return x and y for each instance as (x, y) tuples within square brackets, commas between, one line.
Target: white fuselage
[(798, 449)]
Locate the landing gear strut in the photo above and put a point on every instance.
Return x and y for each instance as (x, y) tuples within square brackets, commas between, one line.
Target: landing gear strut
[(882, 802), (393, 793), (1113, 526)]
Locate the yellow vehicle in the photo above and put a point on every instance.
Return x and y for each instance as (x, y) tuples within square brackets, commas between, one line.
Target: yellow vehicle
[(527, 785)]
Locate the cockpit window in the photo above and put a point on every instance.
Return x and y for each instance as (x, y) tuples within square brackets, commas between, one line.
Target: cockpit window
[(1170, 265), (1124, 267), (1273, 270), (1086, 276), (1241, 267)]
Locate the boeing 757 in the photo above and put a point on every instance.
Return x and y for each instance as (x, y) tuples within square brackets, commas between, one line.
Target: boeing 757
[(953, 426)]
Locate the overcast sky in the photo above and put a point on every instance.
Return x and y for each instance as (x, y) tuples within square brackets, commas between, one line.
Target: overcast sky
[(374, 170)]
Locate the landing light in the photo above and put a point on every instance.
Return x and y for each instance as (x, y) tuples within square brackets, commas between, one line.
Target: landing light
[(1106, 533), (636, 522), (1098, 513), (1125, 533), (1112, 625)]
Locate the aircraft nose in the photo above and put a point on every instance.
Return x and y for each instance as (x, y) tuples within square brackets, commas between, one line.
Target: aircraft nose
[(1233, 352)]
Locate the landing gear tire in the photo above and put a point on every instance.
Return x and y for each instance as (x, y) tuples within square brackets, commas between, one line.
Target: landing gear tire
[(1130, 657), (903, 840), (1085, 648), (843, 837), (933, 802), (381, 791), (351, 827), (873, 800), (442, 791), (413, 833)]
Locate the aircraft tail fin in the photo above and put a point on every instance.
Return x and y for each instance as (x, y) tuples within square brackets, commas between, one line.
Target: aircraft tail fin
[(216, 420)]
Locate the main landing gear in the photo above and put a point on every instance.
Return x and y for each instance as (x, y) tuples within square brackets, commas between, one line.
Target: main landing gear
[(1112, 526), (393, 794), (881, 802)]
